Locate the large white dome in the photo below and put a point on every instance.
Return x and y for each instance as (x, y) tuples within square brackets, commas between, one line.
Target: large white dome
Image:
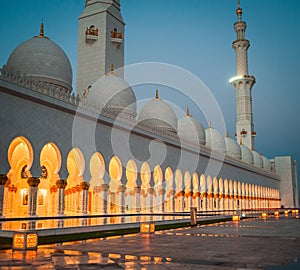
[(214, 140), (191, 130), (42, 60), (113, 95), (159, 115), (247, 155), (257, 159), (232, 148)]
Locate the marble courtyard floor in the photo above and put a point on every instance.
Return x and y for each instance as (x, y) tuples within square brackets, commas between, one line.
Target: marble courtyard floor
[(247, 244)]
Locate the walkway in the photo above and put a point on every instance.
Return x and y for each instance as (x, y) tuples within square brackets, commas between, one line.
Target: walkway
[(248, 244)]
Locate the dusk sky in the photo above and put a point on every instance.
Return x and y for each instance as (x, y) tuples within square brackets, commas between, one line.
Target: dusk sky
[(195, 35)]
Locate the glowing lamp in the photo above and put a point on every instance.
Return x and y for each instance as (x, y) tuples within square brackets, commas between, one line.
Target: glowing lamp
[(286, 213), (264, 215), (236, 218), (295, 212), (147, 228), (276, 214), (25, 241)]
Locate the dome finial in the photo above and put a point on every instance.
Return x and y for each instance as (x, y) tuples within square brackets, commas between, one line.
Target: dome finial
[(210, 124), (260, 152), (156, 94), (227, 135), (187, 111), (241, 142), (239, 11), (42, 30)]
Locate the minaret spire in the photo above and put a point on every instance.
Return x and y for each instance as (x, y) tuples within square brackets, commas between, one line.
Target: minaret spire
[(243, 84)]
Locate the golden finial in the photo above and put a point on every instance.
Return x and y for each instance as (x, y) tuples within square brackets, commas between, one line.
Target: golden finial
[(239, 10), (111, 69), (42, 30), (156, 94), (227, 135), (260, 152), (187, 111), (210, 124), (241, 142)]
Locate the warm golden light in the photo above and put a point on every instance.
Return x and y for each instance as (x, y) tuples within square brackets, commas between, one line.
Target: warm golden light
[(236, 218), (276, 214), (286, 213), (147, 227), (24, 241), (264, 215)]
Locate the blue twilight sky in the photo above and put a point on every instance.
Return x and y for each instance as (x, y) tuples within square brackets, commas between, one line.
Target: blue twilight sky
[(195, 35)]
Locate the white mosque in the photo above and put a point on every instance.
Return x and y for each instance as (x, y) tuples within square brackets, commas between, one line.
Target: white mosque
[(48, 170)]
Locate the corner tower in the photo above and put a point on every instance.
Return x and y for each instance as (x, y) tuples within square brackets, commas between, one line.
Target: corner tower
[(100, 41), (243, 84)]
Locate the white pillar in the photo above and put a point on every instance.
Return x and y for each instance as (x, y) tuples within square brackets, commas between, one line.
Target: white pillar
[(121, 198)]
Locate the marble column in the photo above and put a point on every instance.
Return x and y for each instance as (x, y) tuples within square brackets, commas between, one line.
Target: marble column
[(121, 198), (172, 201), (3, 179), (137, 199), (33, 183), (61, 184), (161, 200), (150, 194), (84, 197)]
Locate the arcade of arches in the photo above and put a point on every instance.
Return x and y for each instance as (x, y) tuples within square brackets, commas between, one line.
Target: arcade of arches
[(144, 190)]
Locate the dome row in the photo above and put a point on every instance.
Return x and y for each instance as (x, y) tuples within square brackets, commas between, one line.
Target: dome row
[(43, 60)]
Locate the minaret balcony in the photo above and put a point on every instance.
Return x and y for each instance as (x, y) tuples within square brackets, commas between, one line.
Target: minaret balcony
[(116, 37)]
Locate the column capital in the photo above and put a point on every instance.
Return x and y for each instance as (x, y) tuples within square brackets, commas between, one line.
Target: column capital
[(85, 185), (150, 190), (137, 189), (61, 184), (3, 179), (33, 181), (121, 188)]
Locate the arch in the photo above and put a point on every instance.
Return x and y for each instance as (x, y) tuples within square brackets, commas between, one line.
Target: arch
[(75, 167), (169, 179), (202, 184), (209, 184), (157, 176), (115, 173), (131, 174), (115, 169), (215, 185), (20, 158), (145, 175), (195, 183), (226, 186), (187, 181), (178, 180), (50, 158), (97, 169)]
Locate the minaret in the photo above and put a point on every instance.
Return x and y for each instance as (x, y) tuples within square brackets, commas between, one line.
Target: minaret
[(100, 41), (243, 84)]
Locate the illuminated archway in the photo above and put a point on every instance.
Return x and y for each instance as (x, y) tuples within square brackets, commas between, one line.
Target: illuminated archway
[(196, 191), (179, 199), (187, 191), (159, 190), (170, 190), (75, 167), (203, 191), (131, 198), (20, 158), (146, 196), (50, 162), (115, 173)]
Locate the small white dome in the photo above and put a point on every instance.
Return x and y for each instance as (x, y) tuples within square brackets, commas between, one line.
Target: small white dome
[(111, 93), (232, 148), (257, 160), (191, 130), (266, 163), (159, 115), (247, 155), (214, 140)]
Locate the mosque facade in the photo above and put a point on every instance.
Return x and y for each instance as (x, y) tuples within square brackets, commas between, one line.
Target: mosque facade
[(62, 153)]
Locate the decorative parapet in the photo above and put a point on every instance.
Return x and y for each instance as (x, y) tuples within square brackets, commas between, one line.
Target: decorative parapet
[(42, 87)]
